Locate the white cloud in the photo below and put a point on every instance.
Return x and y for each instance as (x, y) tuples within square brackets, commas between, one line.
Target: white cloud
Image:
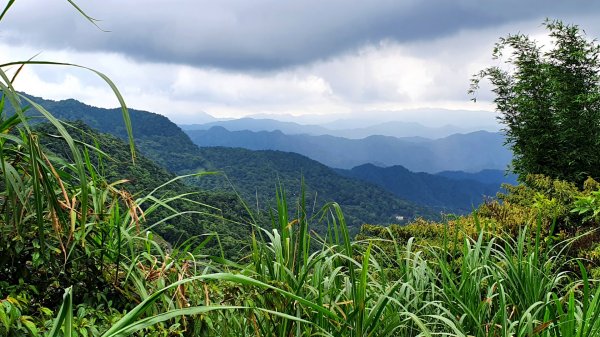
[(262, 34), (384, 76)]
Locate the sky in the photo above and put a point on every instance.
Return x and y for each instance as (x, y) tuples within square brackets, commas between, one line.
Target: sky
[(313, 60)]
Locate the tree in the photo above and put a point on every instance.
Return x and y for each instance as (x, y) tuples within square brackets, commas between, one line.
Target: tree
[(549, 102)]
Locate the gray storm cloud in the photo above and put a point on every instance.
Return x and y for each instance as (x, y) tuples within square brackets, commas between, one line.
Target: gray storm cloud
[(263, 34)]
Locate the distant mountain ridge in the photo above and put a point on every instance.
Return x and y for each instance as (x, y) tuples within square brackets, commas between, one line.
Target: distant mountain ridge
[(397, 129), (470, 152), (459, 194), (252, 124), (471, 120)]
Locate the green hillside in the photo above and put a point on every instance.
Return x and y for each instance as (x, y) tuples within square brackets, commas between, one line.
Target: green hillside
[(255, 175), (155, 135)]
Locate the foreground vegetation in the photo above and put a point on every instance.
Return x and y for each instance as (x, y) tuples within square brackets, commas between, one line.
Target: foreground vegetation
[(79, 256), (470, 279)]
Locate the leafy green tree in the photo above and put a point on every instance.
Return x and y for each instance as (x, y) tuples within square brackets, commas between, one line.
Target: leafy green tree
[(549, 100)]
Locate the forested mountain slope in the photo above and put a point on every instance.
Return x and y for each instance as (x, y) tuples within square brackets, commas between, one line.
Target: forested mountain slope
[(483, 176), (255, 175), (449, 195), (155, 135)]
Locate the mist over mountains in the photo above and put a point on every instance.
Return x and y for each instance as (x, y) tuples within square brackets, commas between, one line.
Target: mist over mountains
[(352, 127), (393, 128), (470, 152), (470, 120), (448, 168)]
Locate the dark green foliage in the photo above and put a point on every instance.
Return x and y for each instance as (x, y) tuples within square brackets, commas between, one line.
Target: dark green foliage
[(560, 209), (549, 100)]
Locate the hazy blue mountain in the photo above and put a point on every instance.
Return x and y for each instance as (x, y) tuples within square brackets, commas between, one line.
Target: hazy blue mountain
[(399, 129), (470, 152), (393, 128), (484, 176), (450, 195), (253, 124)]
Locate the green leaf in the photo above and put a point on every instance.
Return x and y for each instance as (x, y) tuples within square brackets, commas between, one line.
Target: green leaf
[(4, 317), (29, 325)]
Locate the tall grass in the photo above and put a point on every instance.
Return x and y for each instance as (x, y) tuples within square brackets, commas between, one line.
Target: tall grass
[(298, 284), (294, 287), (35, 189)]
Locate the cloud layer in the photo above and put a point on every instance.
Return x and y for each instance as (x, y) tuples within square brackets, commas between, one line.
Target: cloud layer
[(235, 58), (263, 34)]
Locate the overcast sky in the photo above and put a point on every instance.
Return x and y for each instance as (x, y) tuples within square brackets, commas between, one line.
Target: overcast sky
[(182, 58)]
